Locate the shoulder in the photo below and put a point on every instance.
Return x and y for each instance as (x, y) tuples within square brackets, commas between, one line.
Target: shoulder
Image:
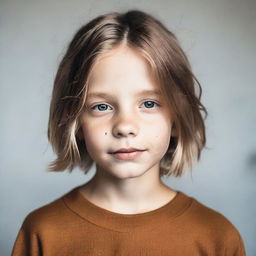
[(210, 223), (211, 218), (48, 215)]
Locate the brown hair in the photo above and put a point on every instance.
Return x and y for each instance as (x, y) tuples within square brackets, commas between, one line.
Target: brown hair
[(160, 47)]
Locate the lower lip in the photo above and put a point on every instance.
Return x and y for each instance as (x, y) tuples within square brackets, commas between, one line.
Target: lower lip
[(128, 156)]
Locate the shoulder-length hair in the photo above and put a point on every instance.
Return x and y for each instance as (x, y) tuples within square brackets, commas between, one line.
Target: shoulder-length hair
[(170, 66)]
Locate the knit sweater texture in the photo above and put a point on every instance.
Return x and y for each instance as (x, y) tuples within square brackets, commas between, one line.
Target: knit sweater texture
[(74, 226)]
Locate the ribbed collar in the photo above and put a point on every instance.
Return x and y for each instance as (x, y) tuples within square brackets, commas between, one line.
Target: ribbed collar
[(77, 203)]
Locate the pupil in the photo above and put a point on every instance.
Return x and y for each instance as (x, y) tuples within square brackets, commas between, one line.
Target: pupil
[(102, 108), (149, 103)]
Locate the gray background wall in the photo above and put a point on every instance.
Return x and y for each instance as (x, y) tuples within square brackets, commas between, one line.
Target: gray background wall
[(219, 38)]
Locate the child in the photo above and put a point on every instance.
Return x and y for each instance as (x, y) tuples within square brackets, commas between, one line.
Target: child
[(124, 98)]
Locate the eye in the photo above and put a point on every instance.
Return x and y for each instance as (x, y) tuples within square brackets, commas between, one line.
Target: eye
[(101, 108), (150, 103)]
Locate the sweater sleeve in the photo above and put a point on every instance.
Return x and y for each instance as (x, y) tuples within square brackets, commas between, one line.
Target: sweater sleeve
[(236, 247), (241, 249), (27, 243)]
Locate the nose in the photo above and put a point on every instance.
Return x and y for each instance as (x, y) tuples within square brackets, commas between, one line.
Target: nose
[(125, 125)]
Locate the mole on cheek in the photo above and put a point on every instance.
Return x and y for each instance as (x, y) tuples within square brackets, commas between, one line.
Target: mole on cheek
[(105, 133)]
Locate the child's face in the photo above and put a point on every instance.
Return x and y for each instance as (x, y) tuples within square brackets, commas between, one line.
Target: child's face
[(126, 117)]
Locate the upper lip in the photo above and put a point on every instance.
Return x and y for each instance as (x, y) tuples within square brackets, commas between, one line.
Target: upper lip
[(126, 150)]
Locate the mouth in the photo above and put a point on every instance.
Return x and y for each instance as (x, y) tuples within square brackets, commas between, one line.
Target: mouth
[(126, 150), (127, 153)]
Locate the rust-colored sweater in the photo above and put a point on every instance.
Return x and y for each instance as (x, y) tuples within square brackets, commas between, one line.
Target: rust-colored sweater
[(72, 225)]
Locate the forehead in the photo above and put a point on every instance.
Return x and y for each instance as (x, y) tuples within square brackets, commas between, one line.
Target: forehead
[(121, 69)]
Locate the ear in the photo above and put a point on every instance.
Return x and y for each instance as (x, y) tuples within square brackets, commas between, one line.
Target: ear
[(174, 132), (79, 134)]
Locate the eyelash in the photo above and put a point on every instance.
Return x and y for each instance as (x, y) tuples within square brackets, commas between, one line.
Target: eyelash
[(108, 105)]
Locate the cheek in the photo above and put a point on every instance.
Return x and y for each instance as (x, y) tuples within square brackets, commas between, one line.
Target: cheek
[(159, 134), (94, 136), (160, 140), (160, 129)]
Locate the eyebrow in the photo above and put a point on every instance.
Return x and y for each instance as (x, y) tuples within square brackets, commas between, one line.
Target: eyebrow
[(140, 93)]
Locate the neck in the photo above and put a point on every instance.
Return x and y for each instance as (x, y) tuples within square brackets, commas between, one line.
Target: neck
[(130, 195)]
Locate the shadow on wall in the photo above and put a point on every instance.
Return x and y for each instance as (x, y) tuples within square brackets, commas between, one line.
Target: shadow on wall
[(251, 161)]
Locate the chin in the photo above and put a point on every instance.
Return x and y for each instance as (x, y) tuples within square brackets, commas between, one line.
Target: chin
[(128, 173)]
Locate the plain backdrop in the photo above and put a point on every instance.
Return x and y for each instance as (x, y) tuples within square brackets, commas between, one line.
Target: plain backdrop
[(219, 38)]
